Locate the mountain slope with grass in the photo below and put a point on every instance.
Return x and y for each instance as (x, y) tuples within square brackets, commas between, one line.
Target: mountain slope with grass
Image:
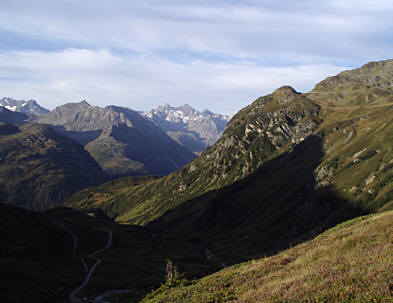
[(269, 127), (352, 262), (119, 139), (285, 169), (39, 168)]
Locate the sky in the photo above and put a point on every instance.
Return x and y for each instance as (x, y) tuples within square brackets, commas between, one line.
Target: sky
[(214, 54)]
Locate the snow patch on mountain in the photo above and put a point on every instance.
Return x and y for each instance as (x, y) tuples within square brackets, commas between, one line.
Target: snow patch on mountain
[(27, 107), (189, 127)]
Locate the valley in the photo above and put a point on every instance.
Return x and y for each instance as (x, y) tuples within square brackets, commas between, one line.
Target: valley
[(292, 203)]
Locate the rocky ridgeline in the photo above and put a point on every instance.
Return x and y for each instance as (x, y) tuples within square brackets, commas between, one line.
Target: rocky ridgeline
[(270, 125)]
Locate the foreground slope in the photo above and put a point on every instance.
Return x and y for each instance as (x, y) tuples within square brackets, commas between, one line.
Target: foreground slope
[(119, 139), (39, 168), (352, 262)]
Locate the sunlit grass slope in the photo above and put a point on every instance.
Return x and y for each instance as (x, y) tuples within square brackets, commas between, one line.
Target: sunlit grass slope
[(352, 262)]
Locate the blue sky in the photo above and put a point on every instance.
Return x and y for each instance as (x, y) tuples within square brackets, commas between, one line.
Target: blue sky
[(215, 54)]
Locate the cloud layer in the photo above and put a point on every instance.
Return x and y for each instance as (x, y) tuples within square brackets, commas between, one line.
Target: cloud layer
[(212, 54)]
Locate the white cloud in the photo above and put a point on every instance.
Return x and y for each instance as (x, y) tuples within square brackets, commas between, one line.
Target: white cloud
[(143, 82), (326, 30), (216, 54)]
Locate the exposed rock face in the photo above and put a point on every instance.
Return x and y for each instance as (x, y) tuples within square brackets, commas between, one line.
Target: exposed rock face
[(28, 107), (119, 139), (39, 168), (253, 136), (192, 129)]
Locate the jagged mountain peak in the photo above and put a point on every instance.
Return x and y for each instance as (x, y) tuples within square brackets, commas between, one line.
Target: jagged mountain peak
[(190, 128), (186, 108)]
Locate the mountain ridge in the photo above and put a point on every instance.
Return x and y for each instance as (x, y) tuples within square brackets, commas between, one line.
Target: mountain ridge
[(119, 139)]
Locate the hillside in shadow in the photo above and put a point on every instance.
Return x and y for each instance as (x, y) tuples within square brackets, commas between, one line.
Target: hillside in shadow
[(276, 207)]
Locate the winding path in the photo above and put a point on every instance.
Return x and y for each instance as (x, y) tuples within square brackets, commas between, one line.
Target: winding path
[(100, 298), (72, 297)]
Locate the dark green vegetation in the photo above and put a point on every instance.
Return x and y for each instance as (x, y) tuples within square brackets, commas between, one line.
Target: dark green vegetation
[(119, 139), (39, 168), (350, 263), (37, 263)]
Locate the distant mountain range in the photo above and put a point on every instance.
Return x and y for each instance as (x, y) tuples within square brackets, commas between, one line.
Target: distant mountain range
[(119, 139), (22, 106), (192, 129), (123, 141)]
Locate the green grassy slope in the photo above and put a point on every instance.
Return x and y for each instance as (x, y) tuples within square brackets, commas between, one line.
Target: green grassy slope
[(269, 127), (356, 145), (352, 262)]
